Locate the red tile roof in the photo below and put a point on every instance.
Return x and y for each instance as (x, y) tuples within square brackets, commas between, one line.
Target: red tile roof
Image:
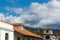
[(18, 24), (26, 32)]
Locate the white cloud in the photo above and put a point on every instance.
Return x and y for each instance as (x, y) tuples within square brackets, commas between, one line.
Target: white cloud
[(48, 12), (13, 19), (2, 16), (46, 22), (16, 10)]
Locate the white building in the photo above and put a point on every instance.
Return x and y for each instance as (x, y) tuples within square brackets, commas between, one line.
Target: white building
[(16, 32), (48, 34)]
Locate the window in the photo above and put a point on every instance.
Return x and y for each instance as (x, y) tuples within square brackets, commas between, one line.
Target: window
[(59, 39), (47, 37), (47, 31), (18, 38), (32, 39), (6, 36), (28, 39)]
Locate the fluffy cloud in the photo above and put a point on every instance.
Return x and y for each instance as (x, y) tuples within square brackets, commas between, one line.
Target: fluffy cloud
[(49, 13), (11, 19), (38, 15), (46, 13), (16, 10), (2, 17)]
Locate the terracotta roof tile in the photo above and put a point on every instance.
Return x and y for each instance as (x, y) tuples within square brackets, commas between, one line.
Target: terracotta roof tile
[(26, 32), (18, 24)]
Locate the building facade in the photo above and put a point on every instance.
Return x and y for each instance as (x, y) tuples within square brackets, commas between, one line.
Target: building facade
[(16, 32), (48, 34)]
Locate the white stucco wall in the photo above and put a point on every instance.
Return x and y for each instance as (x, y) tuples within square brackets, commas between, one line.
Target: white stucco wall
[(10, 34), (52, 37), (16, 35), (49, 32), (6, 28), (0, 34)]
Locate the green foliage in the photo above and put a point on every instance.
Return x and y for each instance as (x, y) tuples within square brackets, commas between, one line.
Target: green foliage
[(57, 34), (37, 31), (40, 31)]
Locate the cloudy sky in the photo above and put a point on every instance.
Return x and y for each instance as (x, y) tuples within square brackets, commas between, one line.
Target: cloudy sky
[(32, 13)]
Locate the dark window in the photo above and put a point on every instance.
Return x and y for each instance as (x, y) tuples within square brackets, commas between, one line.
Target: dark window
[(47, 31), (59, 39), (28, 39), (18, 38), (32, 39), (47, 37), (6, 36)]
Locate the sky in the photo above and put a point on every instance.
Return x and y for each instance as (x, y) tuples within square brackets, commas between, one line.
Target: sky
[(32, 13)]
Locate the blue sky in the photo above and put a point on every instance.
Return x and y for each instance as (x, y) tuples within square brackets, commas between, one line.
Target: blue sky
[(32, 13), (19, 3)]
